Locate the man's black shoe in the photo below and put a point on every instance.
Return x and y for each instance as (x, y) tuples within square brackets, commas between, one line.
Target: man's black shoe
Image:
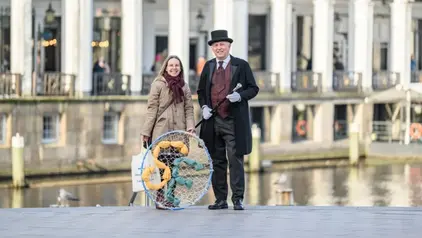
[(237, 205), (218, 205)]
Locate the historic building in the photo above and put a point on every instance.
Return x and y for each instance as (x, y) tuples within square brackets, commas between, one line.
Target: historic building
[(61, 38), (58, 57)]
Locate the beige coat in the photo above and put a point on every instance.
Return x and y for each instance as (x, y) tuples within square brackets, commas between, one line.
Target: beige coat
[(176, 117)]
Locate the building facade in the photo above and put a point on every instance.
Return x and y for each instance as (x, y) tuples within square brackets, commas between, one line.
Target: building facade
[(315, 62), (286, 42)]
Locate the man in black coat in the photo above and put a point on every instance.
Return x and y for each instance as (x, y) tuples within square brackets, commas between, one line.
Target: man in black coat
[(228, 131)]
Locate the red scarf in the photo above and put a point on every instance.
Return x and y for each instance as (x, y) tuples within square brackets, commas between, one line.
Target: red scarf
[(176, 86)]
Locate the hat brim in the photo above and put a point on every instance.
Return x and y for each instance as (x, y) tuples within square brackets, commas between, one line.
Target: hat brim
[(210, 42)]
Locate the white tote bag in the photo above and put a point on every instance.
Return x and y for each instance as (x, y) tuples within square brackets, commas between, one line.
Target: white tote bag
[(138, 167)]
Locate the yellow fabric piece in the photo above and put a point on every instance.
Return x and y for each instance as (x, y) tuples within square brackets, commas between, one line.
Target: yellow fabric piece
[(167, 171)]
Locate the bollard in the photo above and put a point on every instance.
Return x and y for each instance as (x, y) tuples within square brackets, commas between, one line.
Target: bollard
[(254, 158), (354, 143), (285, 197), (18, 163)]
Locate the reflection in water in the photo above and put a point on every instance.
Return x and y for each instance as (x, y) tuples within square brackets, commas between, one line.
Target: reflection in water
[(393, 185)]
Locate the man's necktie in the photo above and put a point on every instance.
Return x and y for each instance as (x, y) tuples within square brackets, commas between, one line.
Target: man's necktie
[(220, 64)]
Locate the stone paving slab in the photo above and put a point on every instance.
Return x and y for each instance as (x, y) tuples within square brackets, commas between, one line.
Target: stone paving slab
[(259, 221)]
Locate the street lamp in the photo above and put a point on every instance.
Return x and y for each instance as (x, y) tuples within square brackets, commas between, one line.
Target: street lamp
[(200, 21), (49, 15), (338, 25)]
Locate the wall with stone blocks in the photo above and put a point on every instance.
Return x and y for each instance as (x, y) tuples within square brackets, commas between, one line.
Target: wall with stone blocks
[(81, 128)]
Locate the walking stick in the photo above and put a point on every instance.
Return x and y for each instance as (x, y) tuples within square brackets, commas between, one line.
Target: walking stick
[(239, 85)]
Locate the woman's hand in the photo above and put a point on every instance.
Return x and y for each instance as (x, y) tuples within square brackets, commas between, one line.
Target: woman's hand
[(192, 130), (145, 141)]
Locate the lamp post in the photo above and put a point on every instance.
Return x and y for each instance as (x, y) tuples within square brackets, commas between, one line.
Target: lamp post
[(200, 21), (49, 15), (339, 30), (202, 34)]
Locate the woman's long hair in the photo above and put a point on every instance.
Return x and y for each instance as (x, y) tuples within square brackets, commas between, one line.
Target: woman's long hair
[(165, 63)]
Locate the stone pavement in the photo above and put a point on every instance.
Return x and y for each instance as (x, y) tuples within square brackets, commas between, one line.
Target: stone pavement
[(295, 221)]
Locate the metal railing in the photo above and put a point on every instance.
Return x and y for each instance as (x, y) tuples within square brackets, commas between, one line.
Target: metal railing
[(111, 84), (306, 81), (267, 82), (387, 131), (416, 77), (10, 85), (347, 81), (53, 84), (384, 79)]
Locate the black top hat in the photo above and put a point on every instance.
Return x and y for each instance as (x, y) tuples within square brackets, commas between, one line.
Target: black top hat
[(219, 35)]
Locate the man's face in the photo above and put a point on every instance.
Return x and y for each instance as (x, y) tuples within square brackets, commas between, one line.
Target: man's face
[(221, 49)]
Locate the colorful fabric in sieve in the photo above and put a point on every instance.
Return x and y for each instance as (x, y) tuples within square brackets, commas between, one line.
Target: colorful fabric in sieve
[(176, 179)]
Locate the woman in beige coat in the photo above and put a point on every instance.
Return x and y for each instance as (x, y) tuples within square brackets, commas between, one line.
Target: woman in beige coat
[(170, 104)]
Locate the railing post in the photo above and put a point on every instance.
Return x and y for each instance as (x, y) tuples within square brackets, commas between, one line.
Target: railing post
[(18, 163), (254, 158), (285, 197), (354, 143)]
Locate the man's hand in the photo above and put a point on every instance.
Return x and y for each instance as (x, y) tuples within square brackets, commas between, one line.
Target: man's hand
[(234, 97), (206, 112)]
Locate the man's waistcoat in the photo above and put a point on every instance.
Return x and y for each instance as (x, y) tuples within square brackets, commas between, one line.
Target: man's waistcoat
[(220, 89)]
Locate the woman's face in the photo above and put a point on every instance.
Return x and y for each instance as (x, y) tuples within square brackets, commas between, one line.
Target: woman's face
[(173, 67)]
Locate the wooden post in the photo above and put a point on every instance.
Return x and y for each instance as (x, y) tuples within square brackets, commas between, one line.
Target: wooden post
[(285, 197), (18, 163), (354, 143), (254, 158)]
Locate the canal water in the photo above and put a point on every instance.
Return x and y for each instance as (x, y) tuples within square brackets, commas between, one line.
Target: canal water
[(384, 185)]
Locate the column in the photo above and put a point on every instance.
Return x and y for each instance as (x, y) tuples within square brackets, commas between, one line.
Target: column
[(401, 29), (363, 115), (132, 43), (178, 39), (70, 40), (210, 24), (223, 17), (237, 27), (86, 30), (148, 37), (322, 61), (323, 126), (240, 29), (281, 123), (21, 42), (281, 43), (351, 35), (363, 41), (267, 123)]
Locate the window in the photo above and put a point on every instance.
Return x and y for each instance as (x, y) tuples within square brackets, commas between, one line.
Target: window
[(50, 130), (3, 118), (110, 127)]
